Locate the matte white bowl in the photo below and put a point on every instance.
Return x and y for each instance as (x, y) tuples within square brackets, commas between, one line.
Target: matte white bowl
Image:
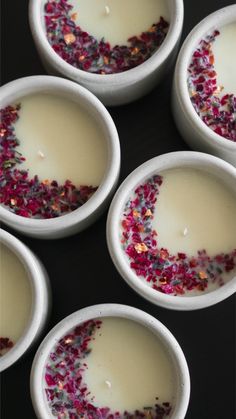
[(82, 217), (41, 297), (180, 159), (194, 131), (112, 89), (180, 368)]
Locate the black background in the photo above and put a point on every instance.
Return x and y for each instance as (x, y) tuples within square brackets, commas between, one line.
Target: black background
[(80, 269)]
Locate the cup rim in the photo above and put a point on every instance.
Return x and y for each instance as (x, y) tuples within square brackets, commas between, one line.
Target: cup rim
[(213, 21), (27, 85), (109, 310), (166, 161), (40, 292), (131, 75)]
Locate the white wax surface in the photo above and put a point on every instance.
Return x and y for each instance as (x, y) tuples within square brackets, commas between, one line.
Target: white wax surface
[(224, 50), (126, 18), (202, 204), (128, 367), (60, 141), (15, 295)]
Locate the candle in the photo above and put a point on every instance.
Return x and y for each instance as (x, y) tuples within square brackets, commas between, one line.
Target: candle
[(110, 361), (15, 299), (106, 36), (54, 156), (117, 21), (179, 232), (212, 80), (109, 366)]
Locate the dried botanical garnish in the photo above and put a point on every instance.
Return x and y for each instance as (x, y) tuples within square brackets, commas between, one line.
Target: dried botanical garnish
[(164, 272), (5, 345), (85, 52), (31, 197), (216, 110)]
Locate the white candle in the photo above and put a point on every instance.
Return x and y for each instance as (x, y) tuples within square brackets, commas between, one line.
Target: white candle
[(60, 140), (111, 363), (179, 231), (195, 211), (225, 58), (15, 296), (212, 81), (117, 21)]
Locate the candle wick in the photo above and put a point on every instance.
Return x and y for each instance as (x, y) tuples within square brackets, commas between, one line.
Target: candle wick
[(185, 232), (107, 10), (40, 154), (108, 383)]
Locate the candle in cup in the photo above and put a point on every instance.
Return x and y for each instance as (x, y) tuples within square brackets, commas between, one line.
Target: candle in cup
[(116, 367), (54, 139), (179, 232), (15, 299), (212, 81), (106, 36)]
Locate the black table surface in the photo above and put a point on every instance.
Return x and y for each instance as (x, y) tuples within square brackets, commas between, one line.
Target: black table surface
[(146, 129)]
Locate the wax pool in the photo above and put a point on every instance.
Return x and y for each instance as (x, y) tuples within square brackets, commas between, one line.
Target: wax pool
[(195, 211), (116, 365), (225, 58), (212, 80), (179, 232), (15, 297), (60, 140), (117, 21)]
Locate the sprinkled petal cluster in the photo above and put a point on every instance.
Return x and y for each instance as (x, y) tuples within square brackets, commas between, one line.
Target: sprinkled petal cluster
[(164, 272), (85, 52), (66, 392), (216, 110), (31, 197), (5, 345)]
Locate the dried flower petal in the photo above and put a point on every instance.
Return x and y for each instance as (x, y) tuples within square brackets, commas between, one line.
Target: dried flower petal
[(5, 345), (141, 247), (69, 38)]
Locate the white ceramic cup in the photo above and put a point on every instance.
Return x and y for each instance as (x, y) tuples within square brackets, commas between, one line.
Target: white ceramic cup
[(180, 159), (194, 131), (41, 297), (172, 348), (112, 89), (85, 215)]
